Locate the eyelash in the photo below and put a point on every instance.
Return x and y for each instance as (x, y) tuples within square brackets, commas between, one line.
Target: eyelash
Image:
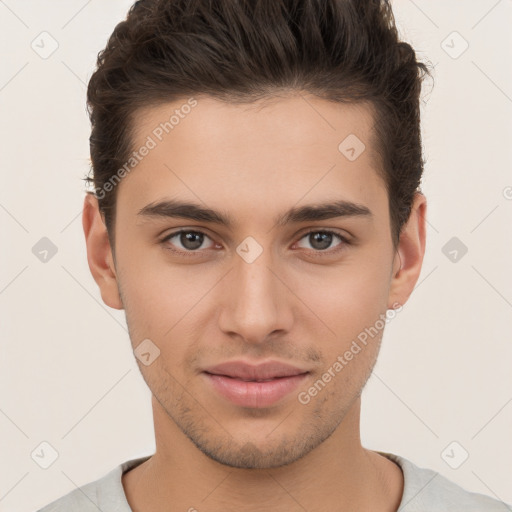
[(193, 253)]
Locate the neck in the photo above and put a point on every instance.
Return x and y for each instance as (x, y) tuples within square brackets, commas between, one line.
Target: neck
[(338, 475)]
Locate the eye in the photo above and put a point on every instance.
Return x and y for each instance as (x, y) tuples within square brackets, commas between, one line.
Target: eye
[(186, 240), (193, 241), (322, 240)]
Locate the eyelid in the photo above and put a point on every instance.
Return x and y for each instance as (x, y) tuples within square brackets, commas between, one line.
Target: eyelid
[(342, 234), (345, 240), (200, 231)]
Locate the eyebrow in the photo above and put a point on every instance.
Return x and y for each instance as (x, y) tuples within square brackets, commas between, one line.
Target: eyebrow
[(174, 208)]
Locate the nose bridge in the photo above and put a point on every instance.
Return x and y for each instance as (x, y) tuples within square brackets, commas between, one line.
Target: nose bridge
[(254, 305)]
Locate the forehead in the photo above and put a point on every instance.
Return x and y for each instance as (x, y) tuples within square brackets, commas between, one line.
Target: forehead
[(262, 154), (294, 121)]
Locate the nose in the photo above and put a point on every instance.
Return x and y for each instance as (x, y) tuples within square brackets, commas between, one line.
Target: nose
[(255, 303)]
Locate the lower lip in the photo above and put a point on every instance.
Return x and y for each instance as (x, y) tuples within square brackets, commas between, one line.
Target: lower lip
[(255, 394)]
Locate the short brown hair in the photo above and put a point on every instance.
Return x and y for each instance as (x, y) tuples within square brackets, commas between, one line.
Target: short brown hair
[(246, 50)]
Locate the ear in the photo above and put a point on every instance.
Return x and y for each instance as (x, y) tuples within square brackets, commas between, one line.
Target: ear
[(409, 253), (99, 252)]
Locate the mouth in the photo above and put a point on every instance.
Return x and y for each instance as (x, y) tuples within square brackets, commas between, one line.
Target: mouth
[(255, 386), (249, 380)]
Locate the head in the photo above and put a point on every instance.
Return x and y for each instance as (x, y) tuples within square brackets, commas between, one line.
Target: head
[(283, 138)]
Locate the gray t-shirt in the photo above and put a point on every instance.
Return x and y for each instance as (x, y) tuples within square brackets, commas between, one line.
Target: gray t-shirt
[(424, 491)]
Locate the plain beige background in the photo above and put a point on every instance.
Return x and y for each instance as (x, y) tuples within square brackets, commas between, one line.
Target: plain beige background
[(67, 374)]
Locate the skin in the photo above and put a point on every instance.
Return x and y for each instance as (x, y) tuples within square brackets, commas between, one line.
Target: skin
[(294, 303)]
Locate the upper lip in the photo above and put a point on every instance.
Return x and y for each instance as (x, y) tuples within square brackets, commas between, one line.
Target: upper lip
[(246, 371)]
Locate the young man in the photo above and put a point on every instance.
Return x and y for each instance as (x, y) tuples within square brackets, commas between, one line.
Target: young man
[(256, 211)]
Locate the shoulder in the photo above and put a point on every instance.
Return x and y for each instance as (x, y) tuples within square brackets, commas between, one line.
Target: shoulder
[(83, 499), (426, 490), (106, 493)]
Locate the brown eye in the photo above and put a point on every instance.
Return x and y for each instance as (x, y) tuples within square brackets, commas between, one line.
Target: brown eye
[(186, 241), (323, 240)]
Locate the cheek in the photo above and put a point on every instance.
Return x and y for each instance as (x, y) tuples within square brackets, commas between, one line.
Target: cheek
[(162, 301), (350, 306), (337, 301), (346, 299)]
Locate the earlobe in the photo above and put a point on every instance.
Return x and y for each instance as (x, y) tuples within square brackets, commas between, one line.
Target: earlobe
[(410, 253), (99, 252)]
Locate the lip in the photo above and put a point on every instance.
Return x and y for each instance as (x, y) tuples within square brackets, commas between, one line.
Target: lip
[(245, 371), (254, 386)]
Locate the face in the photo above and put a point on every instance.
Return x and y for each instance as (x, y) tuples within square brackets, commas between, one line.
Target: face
[(263, 275)]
